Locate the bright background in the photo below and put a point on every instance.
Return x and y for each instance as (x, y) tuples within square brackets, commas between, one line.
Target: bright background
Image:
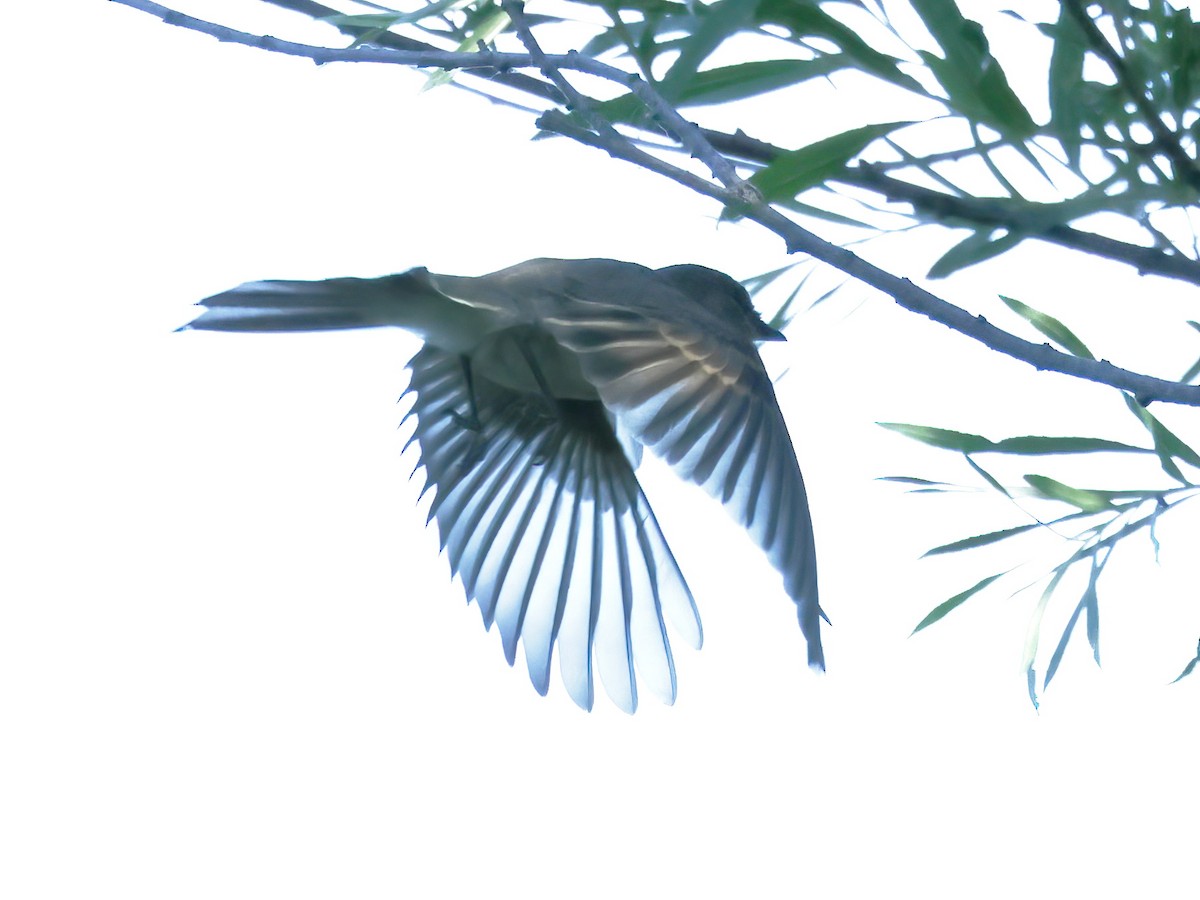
[(231, 661)]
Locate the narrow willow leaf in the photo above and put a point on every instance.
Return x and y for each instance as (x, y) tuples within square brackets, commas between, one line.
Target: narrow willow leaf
[(941, 437), (980, 540), (1190, 667), (1152, 531), (971, 76), (1092, 609), (386, 20), (825, 296), (1166, 443), (956, 601), (974, 248), (1065, 75), (368, 20), (1192, 371), (795, 171), (1050, 327), (1056, 658), (1083, 498), (816, 212), (1046, 445), (756, 283), (906, 479), (729, 83), (640, 39), (783, 315), (1034, 632), (808, 20), (717, 22)]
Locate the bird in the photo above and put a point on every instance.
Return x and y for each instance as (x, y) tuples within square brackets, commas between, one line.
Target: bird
[(534, 393)]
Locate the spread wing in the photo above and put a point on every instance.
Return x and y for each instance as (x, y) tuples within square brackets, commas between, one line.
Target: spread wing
[(703, 401), (539, 511)]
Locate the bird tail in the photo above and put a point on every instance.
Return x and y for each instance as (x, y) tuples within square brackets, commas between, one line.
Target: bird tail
[(333, 304)]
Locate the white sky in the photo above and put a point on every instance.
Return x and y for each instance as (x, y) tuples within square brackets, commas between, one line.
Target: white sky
[(231, 660)]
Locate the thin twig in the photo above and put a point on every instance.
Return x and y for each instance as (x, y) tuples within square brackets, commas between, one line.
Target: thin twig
[(515, 80)]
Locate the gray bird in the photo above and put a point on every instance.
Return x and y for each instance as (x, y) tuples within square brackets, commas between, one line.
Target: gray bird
[(535, 391)]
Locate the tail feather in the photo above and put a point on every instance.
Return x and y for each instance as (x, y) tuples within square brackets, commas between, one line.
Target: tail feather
[(333, 304)]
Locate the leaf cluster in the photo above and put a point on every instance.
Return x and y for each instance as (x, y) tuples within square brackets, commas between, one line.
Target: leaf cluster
[(1097, 520)]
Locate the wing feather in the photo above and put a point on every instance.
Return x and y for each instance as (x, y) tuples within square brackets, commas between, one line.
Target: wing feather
[(543, 520), (704, 402)]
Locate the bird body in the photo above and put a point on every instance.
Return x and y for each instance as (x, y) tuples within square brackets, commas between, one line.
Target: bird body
[(535, 391)]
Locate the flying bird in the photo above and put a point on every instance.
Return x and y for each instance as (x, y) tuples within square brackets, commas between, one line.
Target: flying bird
[(534, 393)]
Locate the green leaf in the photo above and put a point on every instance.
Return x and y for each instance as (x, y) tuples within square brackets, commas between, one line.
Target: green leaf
[(717, 22), (962, 441), (908, 479), (1056, 658), (1167, 444), (1022, 445), (956, 601), (1091, 607), (980, 540), (808, 20), (1065, 76), (1192, 371), (367, 20), (1034, 632), (1047, 445), (640, 38), (817, 212), (969, 73), (783, 315), (1085, 499), (795, 171), (756, 283), (975, 248), (729, 83), (384, 21), (1190, 667), (1050, 327), (825, 296)]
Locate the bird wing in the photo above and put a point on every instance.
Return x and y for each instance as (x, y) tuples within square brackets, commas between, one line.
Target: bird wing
[(543, 519), (701, 399)]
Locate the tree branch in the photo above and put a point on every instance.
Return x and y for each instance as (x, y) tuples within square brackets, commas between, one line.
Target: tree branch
[(982, 211), (1145, 388), (796, 238), (686, 133), (420, 58)]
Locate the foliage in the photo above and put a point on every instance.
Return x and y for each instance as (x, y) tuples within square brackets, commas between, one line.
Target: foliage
[(1115, 141)]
